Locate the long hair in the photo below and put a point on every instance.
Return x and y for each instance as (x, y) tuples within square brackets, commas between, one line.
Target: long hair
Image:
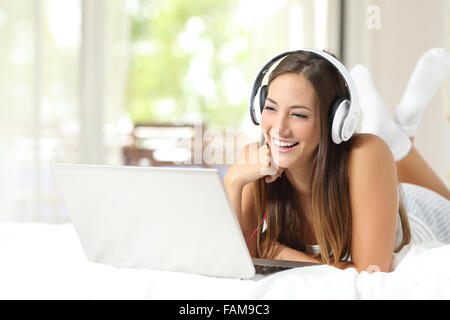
[(330, 197)]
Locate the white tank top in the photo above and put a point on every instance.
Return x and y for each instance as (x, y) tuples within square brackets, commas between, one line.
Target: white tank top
[(314, 249)]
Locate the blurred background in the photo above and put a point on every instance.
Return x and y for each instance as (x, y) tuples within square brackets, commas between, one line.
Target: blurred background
[(140, 82)]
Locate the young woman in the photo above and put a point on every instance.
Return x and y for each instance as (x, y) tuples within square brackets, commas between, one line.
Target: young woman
[(338, 204)]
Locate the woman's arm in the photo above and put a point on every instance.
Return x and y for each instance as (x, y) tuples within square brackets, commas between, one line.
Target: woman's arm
[(374, 203), (281, 252), (240, 196), (234, 189), (254, 163)]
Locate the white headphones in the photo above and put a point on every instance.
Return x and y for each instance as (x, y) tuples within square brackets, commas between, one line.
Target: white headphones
[(344, 113)]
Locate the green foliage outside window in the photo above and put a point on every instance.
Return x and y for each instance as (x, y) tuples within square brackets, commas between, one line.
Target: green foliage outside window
[(188, 58)]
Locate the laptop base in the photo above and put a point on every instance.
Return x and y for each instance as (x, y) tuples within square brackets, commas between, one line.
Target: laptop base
[(268, 266)]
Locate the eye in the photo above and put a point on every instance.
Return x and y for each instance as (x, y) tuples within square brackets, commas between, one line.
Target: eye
[(299, 115), (268, 108)]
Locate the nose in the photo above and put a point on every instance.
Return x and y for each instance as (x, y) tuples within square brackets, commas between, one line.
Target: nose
[(281, 127)]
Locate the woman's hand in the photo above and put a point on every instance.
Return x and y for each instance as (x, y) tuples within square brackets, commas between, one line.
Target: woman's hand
[(253, 163), (272, 170), (281, 252)]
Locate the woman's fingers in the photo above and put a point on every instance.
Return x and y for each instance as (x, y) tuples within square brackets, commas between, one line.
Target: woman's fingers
[(272, 177), (266, 161), (269, 169)]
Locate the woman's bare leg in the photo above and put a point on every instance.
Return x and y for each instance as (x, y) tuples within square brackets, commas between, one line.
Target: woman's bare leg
[(415, 170)]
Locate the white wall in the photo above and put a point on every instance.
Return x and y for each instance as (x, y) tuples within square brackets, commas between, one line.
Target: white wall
[(407, 29)]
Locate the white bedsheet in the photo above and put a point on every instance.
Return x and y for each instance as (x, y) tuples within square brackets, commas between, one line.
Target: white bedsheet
[(43, 261)]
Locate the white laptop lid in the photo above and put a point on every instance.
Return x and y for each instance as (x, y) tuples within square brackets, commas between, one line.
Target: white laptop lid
[(176, 219)]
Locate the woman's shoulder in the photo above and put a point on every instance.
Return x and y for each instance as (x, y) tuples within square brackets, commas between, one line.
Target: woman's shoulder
[(364, 139), (369, 150), (369, 144)]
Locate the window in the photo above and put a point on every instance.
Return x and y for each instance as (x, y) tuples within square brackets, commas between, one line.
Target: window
[(195, 60), (187, 62)]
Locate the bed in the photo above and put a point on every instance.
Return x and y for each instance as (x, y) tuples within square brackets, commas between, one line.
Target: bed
[(46, 261)]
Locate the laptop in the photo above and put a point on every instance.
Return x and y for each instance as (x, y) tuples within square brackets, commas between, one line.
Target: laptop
[(175, 219)]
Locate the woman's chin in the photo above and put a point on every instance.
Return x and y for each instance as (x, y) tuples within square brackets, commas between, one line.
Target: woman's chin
[(282, 163)]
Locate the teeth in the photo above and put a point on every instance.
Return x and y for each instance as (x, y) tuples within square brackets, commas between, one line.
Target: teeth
[(283, 144)]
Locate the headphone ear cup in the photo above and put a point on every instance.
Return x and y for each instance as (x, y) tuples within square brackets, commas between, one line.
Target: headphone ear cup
[(258, 104), (262, 97), (256, 111), (336, 119)]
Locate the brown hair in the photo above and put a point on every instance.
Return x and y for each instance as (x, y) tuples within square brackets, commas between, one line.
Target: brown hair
[(330, 198)]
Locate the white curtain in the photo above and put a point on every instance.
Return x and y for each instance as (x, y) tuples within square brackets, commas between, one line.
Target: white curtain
[(63, 70)]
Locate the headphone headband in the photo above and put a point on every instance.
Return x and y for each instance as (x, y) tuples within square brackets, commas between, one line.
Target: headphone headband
[(351, 117)]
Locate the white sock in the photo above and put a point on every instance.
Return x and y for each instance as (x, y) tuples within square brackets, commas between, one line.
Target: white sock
[(431, 70), (375, 118)]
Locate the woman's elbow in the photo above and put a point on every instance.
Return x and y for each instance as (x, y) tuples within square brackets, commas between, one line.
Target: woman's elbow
[(363, 267)]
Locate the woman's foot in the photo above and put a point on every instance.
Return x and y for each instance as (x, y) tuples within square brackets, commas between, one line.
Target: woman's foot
[(431, 70), (375, 118)]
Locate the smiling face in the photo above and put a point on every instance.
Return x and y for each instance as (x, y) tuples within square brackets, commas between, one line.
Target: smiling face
[(290, 120)]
